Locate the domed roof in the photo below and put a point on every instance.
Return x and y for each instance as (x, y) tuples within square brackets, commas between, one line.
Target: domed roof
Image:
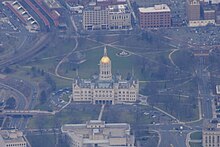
[(105, 60)]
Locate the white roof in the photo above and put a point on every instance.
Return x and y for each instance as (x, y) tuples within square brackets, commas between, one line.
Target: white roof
[(218, 89), (156, 8), (213, 1)]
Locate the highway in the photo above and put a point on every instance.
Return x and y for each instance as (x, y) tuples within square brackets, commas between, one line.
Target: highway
[(21, 103), (204, 89)]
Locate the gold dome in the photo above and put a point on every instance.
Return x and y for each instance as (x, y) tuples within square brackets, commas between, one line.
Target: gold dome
[(105, 59)]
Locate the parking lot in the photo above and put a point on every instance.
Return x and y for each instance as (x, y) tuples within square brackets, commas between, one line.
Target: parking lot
[(60, 98)]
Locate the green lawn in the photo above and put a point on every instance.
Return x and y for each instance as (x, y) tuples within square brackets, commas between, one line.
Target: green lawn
[(47, 140), (122, 65), (41, 140), (76, 113), (127, 114), (196, 135), (195, 144), (60, 46), (184, 60)]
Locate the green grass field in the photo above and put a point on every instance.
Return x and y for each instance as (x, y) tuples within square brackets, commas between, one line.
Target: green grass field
[(195, 144), (129, 114), (46, 141), (149, 60), (196, 135), (75, 113)]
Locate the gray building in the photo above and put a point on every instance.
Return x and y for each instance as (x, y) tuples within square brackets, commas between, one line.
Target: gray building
[(112, 17), (12, 138), (97, 133)]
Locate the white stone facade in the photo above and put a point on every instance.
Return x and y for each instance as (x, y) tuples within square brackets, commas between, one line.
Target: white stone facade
[(12, 138), (106, 89), (98, 133)]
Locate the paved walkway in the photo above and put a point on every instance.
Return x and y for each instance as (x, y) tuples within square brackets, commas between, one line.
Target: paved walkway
[(101, 112)]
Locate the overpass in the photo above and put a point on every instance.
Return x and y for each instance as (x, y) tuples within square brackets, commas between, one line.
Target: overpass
[(23, 113)]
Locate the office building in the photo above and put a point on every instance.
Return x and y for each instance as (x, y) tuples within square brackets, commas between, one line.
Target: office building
[(12, 138), (193, 10), (155, 17), (119, 17), (112, 17), (97, 133)]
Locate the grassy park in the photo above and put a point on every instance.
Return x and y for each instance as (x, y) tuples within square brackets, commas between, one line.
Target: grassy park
[(163, 74)]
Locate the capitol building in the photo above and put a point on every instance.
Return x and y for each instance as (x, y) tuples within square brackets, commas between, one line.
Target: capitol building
[(105, 88)]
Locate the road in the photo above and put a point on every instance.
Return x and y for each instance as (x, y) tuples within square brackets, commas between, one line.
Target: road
[(22, 103), (171, 135), (204, 89)]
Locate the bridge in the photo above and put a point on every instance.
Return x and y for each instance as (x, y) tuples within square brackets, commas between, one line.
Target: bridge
[(25, 113)]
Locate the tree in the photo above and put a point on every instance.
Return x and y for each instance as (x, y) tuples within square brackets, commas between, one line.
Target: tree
[(129, 76), (10, 103), (7, 70), (40, 121), (50, 81), (43, 97)]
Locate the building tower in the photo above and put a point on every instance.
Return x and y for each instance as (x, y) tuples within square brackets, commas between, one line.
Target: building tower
[(193, 10), (105, 67)]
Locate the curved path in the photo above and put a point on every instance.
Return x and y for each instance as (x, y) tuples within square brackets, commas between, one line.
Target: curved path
[(170, 57), (65, 59), (25, 100)]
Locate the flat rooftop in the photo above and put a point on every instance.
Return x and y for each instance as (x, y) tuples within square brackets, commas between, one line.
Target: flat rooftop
[(217, 89), (11, 136), (118, 8), (211, 125), (156, 8)]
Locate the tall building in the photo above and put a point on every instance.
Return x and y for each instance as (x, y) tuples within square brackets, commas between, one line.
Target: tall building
[(113, 17), (119, 17), (12, 138), (106, 88), (95, 19), (211, 133), (97, 133), (217, 17), (155, 17), (110, 2), (211, 1), (193, 10)]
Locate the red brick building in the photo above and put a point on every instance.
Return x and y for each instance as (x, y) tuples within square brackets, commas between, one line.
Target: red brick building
[(155, 17), (193, 10)]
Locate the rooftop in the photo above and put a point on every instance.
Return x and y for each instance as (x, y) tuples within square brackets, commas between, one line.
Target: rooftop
[(11, 136), (118, 8), (218, 89), (95, 132), (156, 8), (211, 125)]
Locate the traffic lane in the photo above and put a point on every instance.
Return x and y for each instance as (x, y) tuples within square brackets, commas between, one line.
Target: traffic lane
[(207, 109), (171, 126), (172, 139)]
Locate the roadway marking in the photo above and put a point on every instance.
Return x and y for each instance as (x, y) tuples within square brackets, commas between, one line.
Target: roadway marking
[(101, 112)]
